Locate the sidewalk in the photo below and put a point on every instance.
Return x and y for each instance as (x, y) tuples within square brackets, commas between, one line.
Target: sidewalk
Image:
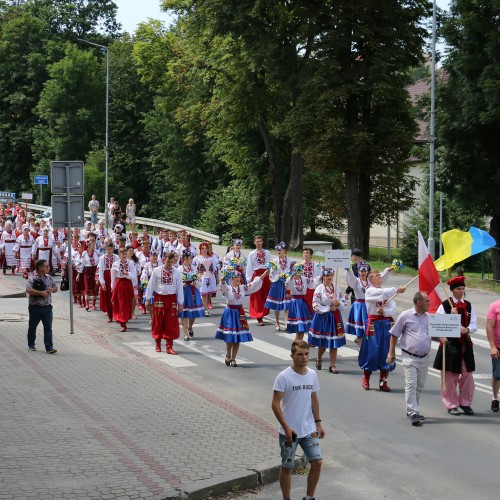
[(98, 420)]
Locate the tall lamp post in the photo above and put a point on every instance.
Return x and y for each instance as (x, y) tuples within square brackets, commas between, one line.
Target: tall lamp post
[(432, 135), (106, 51)]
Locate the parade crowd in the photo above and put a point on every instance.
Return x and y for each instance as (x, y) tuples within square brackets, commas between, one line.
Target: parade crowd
[(173, 281)]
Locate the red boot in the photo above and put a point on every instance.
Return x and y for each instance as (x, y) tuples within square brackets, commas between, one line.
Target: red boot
[(158, 346), (170, 350), (365, 382), (382, 384), (93, 304)]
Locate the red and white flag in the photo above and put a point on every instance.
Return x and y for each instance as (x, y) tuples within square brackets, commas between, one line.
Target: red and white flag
[(428, 277)]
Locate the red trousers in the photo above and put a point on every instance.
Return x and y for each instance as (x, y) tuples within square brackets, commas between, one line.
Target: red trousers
[(165, 319), (258, 298)]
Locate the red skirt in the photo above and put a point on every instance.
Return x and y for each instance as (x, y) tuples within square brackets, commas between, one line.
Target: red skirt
[(309, 300), (258, 298), (89, 280), (123, 295), (78, 284), (165, 320), (105, 304)]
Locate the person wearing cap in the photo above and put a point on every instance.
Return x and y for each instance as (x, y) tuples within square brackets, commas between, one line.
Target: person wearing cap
[(412, 328), (327, 327), (193, 303), (375, 346), (299, 315), (24, 251), (278, 297), (7, 244), (233, 326), (106, 262), (165, 287), (459, 353)]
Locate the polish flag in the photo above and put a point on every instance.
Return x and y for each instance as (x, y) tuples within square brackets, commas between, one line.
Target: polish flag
[(428, 277)]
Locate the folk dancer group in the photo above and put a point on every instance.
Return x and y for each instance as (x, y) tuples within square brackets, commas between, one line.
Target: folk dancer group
[(169, 279)]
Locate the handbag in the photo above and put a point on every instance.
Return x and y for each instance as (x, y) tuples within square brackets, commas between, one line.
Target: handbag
[(64, 284)]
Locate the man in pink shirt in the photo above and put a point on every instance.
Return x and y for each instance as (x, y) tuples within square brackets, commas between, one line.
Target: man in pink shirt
[(493, 333)]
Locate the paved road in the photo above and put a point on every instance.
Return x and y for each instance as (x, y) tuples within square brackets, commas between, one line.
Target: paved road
[(107, 417)]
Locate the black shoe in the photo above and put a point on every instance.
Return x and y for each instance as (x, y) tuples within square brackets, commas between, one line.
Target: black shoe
[(454, 411), (467, 410), (415, 420), (191, 333), (51, 351), (494, 405), (421, 417), (32, 348)]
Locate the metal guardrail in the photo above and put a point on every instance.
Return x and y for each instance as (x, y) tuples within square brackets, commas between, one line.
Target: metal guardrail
[(155, 223)]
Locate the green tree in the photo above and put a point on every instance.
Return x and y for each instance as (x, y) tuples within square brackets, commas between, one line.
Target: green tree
[(468, 122)]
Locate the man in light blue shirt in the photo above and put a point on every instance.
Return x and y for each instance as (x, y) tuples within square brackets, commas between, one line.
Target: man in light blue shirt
[(412, 327)]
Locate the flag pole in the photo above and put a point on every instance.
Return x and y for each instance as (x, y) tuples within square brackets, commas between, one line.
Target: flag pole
[(443, 371), (407, 285)]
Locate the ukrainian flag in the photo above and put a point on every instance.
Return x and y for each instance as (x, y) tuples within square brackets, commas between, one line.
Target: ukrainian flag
[(459, 245)]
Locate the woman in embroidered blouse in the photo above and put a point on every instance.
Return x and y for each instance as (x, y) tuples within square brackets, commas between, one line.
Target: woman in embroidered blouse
[(207, 265), (233, 327), (327, 327), (278, 297), (193, 305), (123, 281), (106, 262)]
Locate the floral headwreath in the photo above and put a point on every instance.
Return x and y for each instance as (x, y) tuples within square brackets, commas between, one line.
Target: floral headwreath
[(280, 246)]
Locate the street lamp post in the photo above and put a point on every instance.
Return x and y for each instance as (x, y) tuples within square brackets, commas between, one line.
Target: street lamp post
[(432, 137), (106, 51)]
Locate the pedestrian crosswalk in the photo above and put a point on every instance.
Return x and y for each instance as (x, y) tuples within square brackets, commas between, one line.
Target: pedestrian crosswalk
[(215, 350)]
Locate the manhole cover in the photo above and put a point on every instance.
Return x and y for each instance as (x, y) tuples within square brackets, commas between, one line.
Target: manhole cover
[(12, 317)]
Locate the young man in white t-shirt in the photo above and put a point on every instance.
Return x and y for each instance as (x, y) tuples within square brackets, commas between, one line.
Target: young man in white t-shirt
[(296, 406)]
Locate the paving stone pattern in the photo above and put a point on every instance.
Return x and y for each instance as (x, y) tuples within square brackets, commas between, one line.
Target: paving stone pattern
[(97, 420)]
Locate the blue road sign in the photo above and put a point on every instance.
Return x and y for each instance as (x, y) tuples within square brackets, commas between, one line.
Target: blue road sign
[(41, 179)]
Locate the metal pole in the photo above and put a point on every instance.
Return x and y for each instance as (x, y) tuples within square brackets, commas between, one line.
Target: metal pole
[(440, 223), (106, 213), (106, 50), (432, 136), (41, 197), (388, 238), (70, 239)]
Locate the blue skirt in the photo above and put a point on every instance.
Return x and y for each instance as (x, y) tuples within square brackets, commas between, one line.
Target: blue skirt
[(357, 320), (326, 332), (276, 299), (193, 305), (233, 327), (375, 347), (299, 317)]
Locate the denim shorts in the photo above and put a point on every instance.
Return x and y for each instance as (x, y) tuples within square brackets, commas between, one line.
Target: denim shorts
[(495, 363), (309, 444)]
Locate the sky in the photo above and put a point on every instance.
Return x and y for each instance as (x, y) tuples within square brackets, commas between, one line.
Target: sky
[(133, 12)]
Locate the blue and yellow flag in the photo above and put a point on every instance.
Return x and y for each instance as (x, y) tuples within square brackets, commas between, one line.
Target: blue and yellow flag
[(459, 245)]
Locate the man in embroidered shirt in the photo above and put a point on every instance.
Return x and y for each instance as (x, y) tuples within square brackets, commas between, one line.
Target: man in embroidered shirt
[(412, 328), (460, 363), (166, 286), (40, 287)]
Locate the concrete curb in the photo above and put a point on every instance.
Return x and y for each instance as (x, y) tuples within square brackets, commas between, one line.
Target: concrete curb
[(210, 488)]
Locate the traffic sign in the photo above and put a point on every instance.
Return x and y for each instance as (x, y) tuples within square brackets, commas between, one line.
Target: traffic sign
[(67, 177), (62, 216), (26, 196), (41, 179)]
